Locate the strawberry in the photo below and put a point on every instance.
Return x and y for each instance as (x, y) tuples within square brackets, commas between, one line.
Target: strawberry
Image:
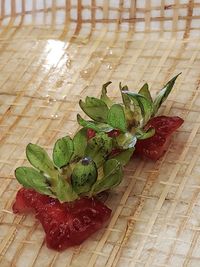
[(91, 162), (65, 224), (155, 146)]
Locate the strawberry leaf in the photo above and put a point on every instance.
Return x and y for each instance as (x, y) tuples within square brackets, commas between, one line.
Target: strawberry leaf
[(116, 117), (163, 94), (124, 156), (95, 108), (80, 143), (96, 126), (104, 96), (98, 148), (39, 159), (126, 140), (63, 151), (64, 191), (112, 177), (144, 91), (141, 135), (84, 175), (146, 107), (31, 178), (125, 98)]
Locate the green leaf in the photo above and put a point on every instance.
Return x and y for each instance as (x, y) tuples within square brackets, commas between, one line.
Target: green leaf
[(80, 143), (39, 159), (96, 126), (104, 96), (98, 148), (116, 117), (63, 151), (112, 177), (125, 98), (144, 91), (163, 94), (64, 191), (130, 114), (124, 156), (95, 108), (31, 178), (141, 135), (133, 114), (84, 175), (126, 140), (146, 107)]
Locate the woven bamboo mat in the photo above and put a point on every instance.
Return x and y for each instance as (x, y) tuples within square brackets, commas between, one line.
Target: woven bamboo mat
[(52, 53)]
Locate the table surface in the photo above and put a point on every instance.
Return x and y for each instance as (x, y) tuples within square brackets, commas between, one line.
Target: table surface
[(45, 70)]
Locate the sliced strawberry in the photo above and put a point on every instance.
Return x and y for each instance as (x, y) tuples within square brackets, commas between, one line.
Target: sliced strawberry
[(28, 200), (155, 146), (65, 224), (164, 125)]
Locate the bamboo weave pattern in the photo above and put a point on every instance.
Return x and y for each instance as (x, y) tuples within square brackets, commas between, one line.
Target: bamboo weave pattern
[(52, 53)]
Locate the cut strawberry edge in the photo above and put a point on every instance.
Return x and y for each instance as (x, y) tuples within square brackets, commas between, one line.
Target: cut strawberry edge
[(65, 224), (165, 125), (154, 147)]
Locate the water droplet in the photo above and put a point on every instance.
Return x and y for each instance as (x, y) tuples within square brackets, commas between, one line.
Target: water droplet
[(50, 100), (84, 74), (54, 116), (68, 63), (109, 50), (109, 67)]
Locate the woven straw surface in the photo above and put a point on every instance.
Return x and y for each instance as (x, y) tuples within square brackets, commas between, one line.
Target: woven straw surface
[(52, 53)]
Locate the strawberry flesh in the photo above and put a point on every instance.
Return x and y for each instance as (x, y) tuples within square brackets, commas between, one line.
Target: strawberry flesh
[(65, 224), (155, 146)]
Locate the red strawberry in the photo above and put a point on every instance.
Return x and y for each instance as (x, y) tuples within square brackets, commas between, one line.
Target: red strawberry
[(155, 146), (28, 200), (65, 224)]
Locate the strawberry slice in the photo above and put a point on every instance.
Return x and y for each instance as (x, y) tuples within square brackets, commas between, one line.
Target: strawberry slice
[(29, 200), (65, 224), (155, 146)]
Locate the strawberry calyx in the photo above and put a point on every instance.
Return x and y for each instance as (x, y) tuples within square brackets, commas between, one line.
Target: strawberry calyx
[(62, 191), (106, 141)]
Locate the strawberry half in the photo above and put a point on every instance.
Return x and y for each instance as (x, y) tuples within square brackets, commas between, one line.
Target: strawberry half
[(65, 224), (155, 146)]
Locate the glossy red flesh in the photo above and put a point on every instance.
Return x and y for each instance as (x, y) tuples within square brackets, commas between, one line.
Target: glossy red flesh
[(65, 224), (155, 146)]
